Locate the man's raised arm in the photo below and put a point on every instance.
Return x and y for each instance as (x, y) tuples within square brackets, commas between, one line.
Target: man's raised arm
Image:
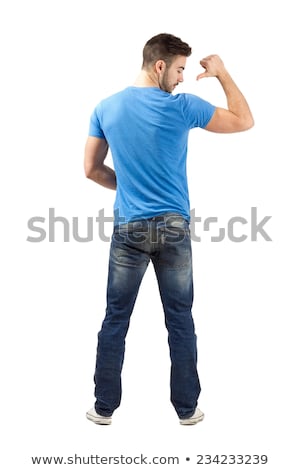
[(238, 116)]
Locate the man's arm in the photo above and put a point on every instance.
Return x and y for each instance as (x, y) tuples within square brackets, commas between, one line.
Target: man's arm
[(238, 116), (95, 153)]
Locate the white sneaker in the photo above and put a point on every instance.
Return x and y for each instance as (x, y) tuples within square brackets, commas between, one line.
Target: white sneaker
[(195, 418), (92, 415)]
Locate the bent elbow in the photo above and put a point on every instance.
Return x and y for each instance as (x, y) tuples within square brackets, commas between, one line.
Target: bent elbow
[(250, 123), (89, 169), (246, 124), (87, 172)]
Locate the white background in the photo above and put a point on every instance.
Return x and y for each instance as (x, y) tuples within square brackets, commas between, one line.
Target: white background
[(58, 59)]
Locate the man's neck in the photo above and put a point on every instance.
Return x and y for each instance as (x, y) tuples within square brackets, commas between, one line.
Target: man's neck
[(145, 79)]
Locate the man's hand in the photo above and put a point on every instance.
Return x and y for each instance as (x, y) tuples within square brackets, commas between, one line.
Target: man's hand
[(213, 66), (238, 116)]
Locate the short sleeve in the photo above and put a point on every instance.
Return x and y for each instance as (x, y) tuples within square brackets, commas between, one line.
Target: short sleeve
[(95, 127), (197, 112)]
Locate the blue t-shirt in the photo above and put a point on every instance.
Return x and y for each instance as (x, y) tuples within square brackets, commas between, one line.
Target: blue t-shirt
[(147, 132)]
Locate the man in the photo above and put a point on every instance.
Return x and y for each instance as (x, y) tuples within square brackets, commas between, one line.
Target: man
[(146, 128)]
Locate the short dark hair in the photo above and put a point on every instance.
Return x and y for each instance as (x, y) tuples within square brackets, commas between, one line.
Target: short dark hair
[(164, 47)]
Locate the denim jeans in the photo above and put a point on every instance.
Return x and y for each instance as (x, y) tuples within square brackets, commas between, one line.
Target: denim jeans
[(165, 241)]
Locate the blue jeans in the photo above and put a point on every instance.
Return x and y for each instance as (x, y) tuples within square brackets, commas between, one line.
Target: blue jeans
[(165, 240)]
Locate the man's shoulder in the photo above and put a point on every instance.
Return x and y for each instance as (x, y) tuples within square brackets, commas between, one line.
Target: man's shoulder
[(187, 96), (114, 96)]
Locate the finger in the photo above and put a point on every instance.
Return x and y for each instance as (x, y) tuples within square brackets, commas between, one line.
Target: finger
[(202, 75), (208, 57)]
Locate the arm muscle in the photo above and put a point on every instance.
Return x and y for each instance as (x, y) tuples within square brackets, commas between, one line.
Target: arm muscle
[(95, 153)]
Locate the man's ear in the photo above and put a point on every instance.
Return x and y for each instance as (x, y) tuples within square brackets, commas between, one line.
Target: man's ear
[(160, 66)]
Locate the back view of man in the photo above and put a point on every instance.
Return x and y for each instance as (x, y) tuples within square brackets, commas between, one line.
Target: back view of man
[(146, 128)]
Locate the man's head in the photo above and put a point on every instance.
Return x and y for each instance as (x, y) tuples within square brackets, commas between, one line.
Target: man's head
[(165, 56)]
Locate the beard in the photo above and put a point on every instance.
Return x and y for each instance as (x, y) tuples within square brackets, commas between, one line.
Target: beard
[(164, 83)]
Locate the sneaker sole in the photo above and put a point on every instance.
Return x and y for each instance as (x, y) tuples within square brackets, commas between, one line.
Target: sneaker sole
[(96, 420), (191, 421)]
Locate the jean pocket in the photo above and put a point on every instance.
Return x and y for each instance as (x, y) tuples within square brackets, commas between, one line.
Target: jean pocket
[(175, 235)]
